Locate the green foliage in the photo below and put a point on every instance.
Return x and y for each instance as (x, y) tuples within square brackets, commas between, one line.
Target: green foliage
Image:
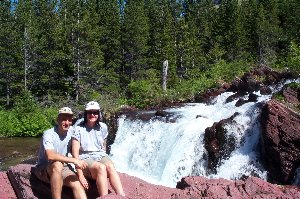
[(278, 96), (223, 71), (143, 93), (27, 118), (294, 85), (293, 59)]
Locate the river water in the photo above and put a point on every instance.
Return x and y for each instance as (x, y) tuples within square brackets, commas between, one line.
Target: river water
[(162, 152), (17, 150)]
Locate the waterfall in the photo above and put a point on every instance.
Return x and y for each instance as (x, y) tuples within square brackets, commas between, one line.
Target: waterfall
[(162, 152)]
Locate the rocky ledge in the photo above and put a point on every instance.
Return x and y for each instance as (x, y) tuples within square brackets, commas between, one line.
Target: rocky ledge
[(22, 184)]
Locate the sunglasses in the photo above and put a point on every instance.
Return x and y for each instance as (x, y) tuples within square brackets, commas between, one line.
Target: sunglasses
[(93, 112)]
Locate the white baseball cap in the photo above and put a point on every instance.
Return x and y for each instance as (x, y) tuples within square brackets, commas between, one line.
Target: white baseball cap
[(92, 106), (65, 110)]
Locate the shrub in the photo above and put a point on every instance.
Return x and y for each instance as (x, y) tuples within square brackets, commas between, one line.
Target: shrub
[(27, 118)]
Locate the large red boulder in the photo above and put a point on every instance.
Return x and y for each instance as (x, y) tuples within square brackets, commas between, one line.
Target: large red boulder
[(218, 143), (280, 141), (27, 186), (6, 189)]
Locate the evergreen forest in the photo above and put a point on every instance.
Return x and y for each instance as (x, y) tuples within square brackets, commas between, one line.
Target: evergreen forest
[(140, 53)]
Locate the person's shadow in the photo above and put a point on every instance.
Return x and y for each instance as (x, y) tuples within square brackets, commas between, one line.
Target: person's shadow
[(42, 190)]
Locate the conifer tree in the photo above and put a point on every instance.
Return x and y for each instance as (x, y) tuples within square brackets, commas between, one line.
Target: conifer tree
[(268, 31), (93, 72), (200, 16), (248, 18), (162, 37), (187, 43), (83, 33), (10, 71), (43, 68), (24, 25), (227, 28), (135, 36), (109, 21), (289, 15)]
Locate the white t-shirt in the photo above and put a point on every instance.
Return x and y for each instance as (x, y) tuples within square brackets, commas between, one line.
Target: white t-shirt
[(91, 141), (61, 144)]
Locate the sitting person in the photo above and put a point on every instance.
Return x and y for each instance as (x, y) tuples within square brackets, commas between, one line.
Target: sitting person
[(88, 143), (52, 164)]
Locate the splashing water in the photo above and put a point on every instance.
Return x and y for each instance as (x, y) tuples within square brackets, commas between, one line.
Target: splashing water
[(162, 153)]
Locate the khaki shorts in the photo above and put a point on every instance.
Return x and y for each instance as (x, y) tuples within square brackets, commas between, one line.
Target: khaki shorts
[(42, 174), (90, 162)]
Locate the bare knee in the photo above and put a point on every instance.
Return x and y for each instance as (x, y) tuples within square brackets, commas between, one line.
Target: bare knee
[(98, 169), (110, 167), (55, 167), (101, 168)]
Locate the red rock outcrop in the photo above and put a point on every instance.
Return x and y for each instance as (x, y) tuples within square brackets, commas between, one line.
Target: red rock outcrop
[(280, 141), (218, 144), (258, 79), (27, 186), (6, 190)]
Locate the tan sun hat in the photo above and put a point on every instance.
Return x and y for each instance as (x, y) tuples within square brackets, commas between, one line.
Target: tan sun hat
[(65, 110)]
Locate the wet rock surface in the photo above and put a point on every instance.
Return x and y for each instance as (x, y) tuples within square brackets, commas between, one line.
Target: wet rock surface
[(218, 144)]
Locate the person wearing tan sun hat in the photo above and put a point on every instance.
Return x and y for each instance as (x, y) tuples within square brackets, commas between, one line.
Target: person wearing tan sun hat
[(52, 166), (89, 144)]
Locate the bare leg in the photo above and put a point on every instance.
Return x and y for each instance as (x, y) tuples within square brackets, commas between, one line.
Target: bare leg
[(114, 178), (72, 181), (56, 181), (98, 172)]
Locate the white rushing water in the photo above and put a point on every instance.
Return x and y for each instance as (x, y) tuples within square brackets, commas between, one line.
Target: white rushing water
[(163, 152)]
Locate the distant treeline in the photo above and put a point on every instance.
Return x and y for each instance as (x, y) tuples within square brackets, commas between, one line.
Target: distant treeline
[(71, 51)]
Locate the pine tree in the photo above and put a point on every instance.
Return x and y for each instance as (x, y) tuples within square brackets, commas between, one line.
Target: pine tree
[(199, 17), (248, 18), (81, 37), (10, 71), (43, 46), (289, 14), (134, 41), (268, 31), (227, 28), (24, 15), (187, 43), (163, 37), (109, 21), (93, 72)]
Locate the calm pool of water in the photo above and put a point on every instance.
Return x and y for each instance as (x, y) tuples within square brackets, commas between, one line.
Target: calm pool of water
[(16, 150)]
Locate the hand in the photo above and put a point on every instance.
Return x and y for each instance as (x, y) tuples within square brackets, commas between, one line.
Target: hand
[(83, 181), (80, 164)]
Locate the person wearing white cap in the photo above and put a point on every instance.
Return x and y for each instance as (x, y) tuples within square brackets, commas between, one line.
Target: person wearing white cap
[(89, 144), (52, 164)]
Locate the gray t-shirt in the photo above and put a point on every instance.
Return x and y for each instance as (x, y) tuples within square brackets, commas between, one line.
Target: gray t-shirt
[(55, 141), (91, 141)]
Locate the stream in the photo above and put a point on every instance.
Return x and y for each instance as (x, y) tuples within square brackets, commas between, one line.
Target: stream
[(16, 150)]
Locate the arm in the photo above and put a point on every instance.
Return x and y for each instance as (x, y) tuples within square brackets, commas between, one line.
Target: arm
[(53, 156), (104, 134), (51, 153), (75, 154), (104, 145)]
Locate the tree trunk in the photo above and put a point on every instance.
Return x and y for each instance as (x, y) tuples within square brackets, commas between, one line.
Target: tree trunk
[(165, 75)]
